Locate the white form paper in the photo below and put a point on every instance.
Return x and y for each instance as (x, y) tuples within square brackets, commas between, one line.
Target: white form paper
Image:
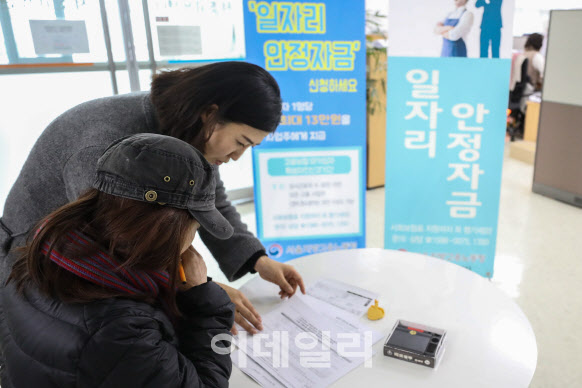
[(350, 298), (305, 343)]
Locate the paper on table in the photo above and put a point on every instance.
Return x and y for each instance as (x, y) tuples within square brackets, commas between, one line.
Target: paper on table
[(350, 298), (301, 346), (252, 369)]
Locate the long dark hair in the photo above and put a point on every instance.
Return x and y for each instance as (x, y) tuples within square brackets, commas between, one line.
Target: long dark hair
[(138, 235), (244, 93)]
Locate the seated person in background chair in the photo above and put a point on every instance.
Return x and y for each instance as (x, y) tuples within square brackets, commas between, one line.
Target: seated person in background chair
[(96, 299), (534, 69), (526, 78)]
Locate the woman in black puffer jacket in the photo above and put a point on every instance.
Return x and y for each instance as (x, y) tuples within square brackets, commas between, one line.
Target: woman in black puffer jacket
[(98, 297)]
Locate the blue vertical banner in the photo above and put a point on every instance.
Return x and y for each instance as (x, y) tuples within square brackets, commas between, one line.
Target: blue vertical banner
[(309, 175), (446, 114)]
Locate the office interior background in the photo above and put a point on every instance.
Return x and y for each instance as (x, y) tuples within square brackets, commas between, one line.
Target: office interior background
[(538, 249)]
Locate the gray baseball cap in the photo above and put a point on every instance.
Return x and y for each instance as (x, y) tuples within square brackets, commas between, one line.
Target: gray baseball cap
[(164, 170)]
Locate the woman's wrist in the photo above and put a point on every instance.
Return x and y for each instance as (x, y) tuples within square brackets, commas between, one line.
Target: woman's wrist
[(261, 262)]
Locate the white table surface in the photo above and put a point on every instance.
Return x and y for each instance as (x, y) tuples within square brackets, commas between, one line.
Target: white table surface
[(490, 342)]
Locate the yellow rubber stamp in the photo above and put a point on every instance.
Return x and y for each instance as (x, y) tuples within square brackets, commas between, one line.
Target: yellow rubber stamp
[(375, 312)]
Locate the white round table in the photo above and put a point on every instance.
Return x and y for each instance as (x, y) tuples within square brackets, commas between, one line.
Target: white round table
[(490, 342)]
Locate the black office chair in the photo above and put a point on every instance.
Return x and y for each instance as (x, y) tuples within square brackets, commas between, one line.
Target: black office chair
[(517, 116)]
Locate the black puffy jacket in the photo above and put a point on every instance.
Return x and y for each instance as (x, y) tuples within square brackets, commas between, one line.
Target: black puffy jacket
[(114, 342)]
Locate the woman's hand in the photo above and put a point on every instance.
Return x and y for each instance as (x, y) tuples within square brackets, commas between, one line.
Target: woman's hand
[(245, 314), (442, 29), (445, 31), (438, 28), (283, 275), (194, 268)]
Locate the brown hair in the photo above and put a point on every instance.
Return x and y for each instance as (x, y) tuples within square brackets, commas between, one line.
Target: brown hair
[(138, 235), (244, 93)]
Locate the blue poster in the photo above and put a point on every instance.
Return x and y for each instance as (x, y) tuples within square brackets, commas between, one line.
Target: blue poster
[(447, 93), (309, 175), (444, 153)]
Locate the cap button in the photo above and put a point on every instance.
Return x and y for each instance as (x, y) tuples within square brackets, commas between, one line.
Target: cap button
[(151, 196)]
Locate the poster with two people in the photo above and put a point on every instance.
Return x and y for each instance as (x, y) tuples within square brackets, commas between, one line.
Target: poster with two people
[(451, 28), (448, 85)]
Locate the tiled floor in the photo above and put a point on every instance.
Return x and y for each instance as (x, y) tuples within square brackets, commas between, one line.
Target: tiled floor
[(538, 263)]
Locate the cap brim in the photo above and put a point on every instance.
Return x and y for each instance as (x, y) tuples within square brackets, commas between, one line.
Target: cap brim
[(213, 222)]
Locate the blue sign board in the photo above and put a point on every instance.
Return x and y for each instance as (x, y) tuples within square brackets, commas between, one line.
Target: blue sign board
[(444, 153), (309, 175)]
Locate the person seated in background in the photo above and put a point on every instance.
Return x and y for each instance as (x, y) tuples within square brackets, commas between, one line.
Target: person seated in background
[(527, 71), (109, 291), (530, 81), (537, 62)]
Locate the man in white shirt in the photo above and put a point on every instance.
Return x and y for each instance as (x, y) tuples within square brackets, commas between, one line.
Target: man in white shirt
[(454, 28)]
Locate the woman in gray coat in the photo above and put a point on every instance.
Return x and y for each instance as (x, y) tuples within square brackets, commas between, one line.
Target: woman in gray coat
[(222, 109)]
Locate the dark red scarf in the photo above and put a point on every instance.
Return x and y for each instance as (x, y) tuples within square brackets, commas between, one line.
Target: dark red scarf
[(101, 269)]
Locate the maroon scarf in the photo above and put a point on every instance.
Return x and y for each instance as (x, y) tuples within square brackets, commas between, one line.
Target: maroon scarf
[(101, 269)]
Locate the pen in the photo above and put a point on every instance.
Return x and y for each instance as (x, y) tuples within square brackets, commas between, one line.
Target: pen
[(182, 273)]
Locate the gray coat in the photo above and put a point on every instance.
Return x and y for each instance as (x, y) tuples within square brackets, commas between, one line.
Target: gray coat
[(62, 165)]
